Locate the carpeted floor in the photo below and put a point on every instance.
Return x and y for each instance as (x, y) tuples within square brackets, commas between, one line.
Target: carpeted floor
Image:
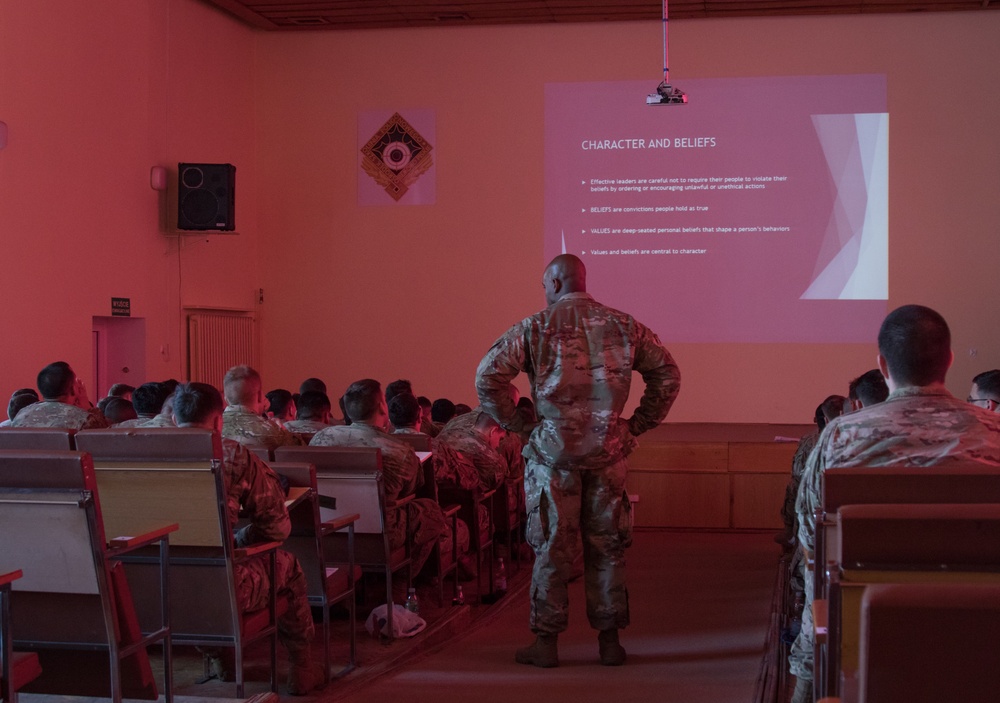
[(699, 605)]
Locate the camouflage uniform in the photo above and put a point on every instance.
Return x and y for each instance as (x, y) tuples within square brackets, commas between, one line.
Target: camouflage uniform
[(305, 426), (463, 456), (424, 521), (254, 492), (52, 413), (136, 421), (161, 420), (914, 426), (428, 427), (579, 356), (251, 429)]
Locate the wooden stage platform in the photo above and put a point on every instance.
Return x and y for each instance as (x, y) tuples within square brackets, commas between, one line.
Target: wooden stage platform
[(713, 476)]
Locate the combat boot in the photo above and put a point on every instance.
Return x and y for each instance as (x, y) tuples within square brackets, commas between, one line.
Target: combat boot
[(543, 653), (612, 653), (304, 675)]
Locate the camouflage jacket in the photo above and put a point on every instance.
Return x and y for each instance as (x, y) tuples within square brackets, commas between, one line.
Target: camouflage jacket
[(428, 427), (400, 467), (160, 420), (52, 413), (253, 492), (802, 452), (135, 422), (305, 426), (579, 356), (249, 428), (914, 426), (463, 457)]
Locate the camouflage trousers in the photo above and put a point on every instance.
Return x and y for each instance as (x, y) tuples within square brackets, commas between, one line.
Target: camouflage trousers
[(564, 505), (424, 525), (800, 658), (295, 625)]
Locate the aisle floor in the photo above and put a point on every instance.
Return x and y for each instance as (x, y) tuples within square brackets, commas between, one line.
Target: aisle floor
[(699, 604)]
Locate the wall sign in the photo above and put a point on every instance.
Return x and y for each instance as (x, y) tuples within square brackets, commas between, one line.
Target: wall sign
[(121, 307)]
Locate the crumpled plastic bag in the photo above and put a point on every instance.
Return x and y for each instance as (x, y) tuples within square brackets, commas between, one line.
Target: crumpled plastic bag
[(404, 623)]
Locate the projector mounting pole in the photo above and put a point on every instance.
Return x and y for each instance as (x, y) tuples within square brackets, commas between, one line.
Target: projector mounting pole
[(665, 93)]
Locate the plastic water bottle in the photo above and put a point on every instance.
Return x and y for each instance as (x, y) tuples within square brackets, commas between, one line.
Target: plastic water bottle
[(412, 604), (459, 598), (500, 581)]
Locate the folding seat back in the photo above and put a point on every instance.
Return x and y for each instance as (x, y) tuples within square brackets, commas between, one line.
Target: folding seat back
[(349, 482), (176, 475), (42, 438), (929, 643), (71, 595), (917, 543), (329, 583)]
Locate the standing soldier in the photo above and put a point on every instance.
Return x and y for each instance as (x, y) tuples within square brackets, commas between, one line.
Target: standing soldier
[(579, 356)]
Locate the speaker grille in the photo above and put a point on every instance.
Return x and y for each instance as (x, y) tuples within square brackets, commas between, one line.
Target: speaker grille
[(206, 198)]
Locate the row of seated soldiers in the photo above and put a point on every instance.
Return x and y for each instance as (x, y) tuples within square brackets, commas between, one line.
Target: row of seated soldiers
[(897, 414), (469, 451)]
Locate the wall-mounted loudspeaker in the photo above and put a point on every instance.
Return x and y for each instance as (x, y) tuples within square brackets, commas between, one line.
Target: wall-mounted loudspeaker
[(206, 197)]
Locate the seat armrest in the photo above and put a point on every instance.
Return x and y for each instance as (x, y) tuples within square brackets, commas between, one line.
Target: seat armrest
[(338, 523), (400, 502), (123, 544), (450, 510), (12, 576), (253, 550)]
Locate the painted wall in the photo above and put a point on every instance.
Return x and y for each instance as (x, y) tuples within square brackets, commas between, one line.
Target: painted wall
[(93, 98), (421, 292)]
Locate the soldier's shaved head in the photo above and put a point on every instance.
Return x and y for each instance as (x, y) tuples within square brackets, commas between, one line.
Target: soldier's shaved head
[(565, 274), (914, 346)]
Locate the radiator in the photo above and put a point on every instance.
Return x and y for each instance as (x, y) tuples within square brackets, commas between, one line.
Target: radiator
[(217, 342)]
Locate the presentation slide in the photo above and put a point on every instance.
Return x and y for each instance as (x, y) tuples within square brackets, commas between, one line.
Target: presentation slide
[(757, 212)]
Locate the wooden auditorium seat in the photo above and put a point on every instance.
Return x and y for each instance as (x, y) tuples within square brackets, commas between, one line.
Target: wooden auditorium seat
[(927, 643), (73, 594), (176, 475), (16, 668), (915, 543), (349, 481), (45, 438), (329, 583)]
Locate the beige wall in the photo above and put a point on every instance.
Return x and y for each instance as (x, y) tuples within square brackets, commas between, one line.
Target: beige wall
[(93, 98), (421, 292)]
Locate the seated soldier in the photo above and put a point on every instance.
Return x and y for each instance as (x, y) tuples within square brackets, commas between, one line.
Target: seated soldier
[(242, 419), (281, 407), (427, 425), (986, 390), (404, 414), (473, 450), (397, 387), (867, 389), (465, 453), (919, 424), (121, 390), (312, 384), (19, 400), (116, 409), (462, 409), (165, 418), (442, 410), (64, 402), (147, 400), (424, 522), (255, 494), (314, 413)]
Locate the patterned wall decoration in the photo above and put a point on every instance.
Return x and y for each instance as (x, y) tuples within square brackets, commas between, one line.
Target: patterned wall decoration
[(396, 155)]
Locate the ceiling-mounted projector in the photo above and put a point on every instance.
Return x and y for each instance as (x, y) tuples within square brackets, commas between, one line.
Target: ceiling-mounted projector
[(666, 94)]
